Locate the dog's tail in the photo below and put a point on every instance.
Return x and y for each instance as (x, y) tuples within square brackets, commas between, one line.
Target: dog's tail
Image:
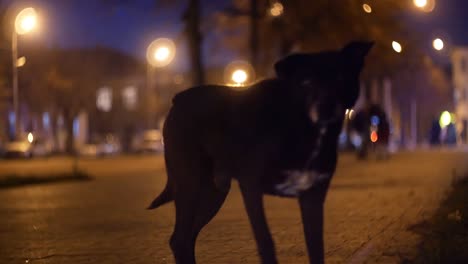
[(163, 198)]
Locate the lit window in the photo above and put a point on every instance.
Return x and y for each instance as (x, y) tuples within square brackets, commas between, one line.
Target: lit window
[(129, 95), (104, 99)]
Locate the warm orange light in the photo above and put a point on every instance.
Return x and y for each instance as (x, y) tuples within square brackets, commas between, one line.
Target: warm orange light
[(160, 52), (374, 137), (367, 8), (25, 21), (276, 9), (420, 3)]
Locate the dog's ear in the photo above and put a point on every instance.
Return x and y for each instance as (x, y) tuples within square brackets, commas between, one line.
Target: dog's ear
[(286, 67), (354, 54)]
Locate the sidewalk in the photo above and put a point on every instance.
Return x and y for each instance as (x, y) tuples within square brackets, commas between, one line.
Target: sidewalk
[(368, 212)]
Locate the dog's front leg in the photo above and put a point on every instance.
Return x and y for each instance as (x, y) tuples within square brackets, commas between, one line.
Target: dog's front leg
[(253, 200), (311, 203)]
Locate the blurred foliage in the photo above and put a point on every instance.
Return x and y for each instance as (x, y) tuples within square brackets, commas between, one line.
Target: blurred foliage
[(320, 25), (65, 81)]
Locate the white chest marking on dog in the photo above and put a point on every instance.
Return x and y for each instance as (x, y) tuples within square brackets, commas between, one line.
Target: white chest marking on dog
[(299, 181)]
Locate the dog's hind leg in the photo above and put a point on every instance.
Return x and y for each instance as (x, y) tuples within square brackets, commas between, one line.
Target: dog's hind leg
[(253, 200), (197, 201), (210, 201), (186, 174), (181, 242)]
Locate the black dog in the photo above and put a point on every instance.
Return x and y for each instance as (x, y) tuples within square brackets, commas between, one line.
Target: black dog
[(277, 137)]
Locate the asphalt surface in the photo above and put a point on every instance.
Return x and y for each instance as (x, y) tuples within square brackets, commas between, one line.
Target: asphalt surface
[(368, 211)]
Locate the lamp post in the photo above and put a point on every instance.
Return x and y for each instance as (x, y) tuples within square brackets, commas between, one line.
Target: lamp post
[(159, 54), (25, 22)]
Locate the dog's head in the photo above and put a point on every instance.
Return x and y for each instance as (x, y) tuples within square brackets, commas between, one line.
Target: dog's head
[(326, 83)]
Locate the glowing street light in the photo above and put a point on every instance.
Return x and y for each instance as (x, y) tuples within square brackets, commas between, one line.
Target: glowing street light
[(30, 137), (160, 52), (239, 74), (438, 44), (425, 5), (21, 61), (25, 22), (396, 46), (276, 9), (420, 3), (367, 8), (239, 77)]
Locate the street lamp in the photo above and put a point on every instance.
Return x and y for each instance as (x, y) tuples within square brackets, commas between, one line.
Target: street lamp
[(239, 74), (438, 44), (420, 3), (159, 54), (239, 77), (425, 5), (25, 22)]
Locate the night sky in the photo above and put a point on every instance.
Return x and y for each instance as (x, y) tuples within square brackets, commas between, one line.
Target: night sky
[(130, 27)]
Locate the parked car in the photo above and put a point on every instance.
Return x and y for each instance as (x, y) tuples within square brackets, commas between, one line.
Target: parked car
[(18, 149), (110, 145), (150, 141), (107, 146), (88, 150), (41, 147)]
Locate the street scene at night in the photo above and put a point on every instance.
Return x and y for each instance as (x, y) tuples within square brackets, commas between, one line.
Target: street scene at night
[(233, 131)]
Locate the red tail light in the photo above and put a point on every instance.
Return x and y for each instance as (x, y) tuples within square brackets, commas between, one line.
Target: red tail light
[(374, 137)]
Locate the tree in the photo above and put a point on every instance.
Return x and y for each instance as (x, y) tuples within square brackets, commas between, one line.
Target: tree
[(65, 81), (319, 25), (195, 40), (191, 17)]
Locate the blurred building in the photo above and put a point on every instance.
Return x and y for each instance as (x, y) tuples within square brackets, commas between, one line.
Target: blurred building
[(460, 82)]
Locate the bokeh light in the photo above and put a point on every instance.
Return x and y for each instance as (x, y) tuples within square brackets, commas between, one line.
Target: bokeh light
[(276, 9), (30, 137), (420, 3), (25, 21), (438, 44), (367, 8), (425, 5), (445, 119), (161, 52), (396, 46), (239, 74)]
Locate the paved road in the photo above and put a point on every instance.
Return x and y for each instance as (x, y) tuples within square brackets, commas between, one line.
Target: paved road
[(368, 210)]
